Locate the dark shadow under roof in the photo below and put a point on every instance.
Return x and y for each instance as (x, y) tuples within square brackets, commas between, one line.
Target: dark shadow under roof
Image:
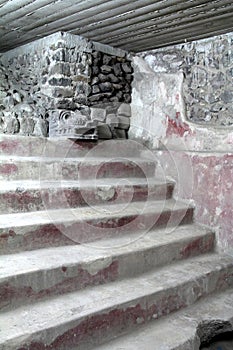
[(131, 25)]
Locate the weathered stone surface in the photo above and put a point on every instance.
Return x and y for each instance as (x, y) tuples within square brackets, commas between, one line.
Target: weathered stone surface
[(106, 69), (207, 68), (104, 132), (124, 122), (127, 98), (120, 133), (67, 73), (62, 92), (117, 69), (113, 78), (98, 114), (103, 77), (60, 81), (124, 110), (60, 68), (127, 68), (112, 120), (107, 59), (70, 124), (106, 87), (95, 89)]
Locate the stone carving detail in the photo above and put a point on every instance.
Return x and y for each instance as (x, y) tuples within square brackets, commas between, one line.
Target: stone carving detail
[(71, 124)]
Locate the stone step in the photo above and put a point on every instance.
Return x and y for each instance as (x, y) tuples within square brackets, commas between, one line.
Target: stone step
[(183, 330), (30, 276), (102, 312), (42, 168), (27, 146), (40, 229), (18, 196)]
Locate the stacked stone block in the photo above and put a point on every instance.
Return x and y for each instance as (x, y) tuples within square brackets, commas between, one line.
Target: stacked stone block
[(22, 108), (111, 79), (113, 120), (62, 73)]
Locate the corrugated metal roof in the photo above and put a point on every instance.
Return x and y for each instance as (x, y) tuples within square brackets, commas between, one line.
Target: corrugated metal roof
[(132, 25)]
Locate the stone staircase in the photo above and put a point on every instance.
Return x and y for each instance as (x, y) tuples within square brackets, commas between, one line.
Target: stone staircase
[(97, 254)]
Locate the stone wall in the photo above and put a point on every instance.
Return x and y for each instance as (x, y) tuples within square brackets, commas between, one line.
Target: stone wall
[(207, 66), (198, 156), (68, 82)]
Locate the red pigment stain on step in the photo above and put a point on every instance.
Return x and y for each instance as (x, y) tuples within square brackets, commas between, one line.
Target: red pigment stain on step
[(8, 169), (197, 246), (177, 127), (21, 200), (117, 320), (46, 234), (5, 237), (9, 146), (11, 295)]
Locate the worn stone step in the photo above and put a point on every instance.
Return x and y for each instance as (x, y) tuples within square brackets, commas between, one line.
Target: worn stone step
[(99, 313), (183, 330), (18, 196), (41, 273), (42, 168), (34, 230), (28, 146)]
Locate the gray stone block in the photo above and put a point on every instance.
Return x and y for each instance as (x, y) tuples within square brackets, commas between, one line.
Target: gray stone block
[(98, 114), (112, 120), (127, 68), (124, 110), (124, 122), (120, 133), (104, 132)]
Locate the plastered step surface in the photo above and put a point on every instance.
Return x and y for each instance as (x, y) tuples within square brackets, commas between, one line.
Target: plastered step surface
[(57, 147), (42, 168), (181, 330), (18, 196), (41, 273), (33, 230), (102, 312)]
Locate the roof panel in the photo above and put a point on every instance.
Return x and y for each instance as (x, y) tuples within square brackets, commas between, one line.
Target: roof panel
[(134, 25)]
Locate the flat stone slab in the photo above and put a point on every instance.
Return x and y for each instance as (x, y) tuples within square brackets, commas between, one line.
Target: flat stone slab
[(29, 195), (54, 168), (41, 273), (78, 225), (179, 330), (63, 147), (68, 320)]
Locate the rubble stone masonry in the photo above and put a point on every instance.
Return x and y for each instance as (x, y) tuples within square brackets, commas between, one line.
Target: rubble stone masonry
[(64, 73)]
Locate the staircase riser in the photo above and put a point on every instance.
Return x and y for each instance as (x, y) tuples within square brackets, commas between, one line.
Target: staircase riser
[(39, 236), (59, 170), (125, 317), (37, 147), (42, 199), (18, 290)]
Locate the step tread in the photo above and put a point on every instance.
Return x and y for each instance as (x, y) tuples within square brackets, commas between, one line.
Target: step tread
[(89, 213), (6, 186), (68, 309), (88, 255), (176, 331), (86, 159)]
